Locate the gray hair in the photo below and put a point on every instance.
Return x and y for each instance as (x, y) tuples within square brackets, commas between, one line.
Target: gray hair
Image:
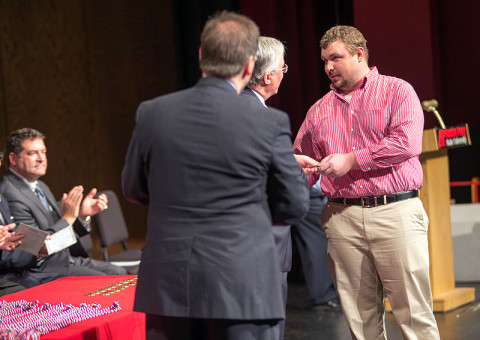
[(269, 53)]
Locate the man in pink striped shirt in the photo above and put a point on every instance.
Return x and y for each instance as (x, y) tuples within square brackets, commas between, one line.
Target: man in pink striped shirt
[(367, 134)]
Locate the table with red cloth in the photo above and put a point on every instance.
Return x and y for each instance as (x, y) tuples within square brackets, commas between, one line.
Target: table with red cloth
[(124, 324)]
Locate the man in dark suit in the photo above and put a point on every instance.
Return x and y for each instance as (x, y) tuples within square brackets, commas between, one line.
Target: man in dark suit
[(202, 160), (311, 242), (8, 242), (13, 278), (31, 202), (264, 83)]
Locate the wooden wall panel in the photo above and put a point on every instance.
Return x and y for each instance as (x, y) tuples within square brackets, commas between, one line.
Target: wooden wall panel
[(131, 58), (77, 70), (45, 84)]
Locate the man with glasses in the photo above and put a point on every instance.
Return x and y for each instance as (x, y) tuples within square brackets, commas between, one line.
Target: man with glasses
[(266, 78), (311, 242), (8, 242), (269, 69)]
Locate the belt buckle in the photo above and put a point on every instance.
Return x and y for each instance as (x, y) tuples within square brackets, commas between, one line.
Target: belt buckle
[(367, 202)]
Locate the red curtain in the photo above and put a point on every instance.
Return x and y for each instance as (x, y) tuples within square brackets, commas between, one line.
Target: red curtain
[(299, 25)]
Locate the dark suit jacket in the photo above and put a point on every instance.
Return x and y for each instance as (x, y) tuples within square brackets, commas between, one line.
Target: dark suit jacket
[(5, 211), (7, 217), (201, 159), (281, 234), (27, 208), (6, 287)]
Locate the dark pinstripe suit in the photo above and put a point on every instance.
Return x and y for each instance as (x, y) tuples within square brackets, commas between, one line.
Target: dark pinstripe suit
[(6, 287), (202, 160), (281, 233), (27, 208)]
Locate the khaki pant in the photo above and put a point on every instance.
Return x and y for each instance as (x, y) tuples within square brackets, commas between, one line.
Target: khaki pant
[(372, 251)]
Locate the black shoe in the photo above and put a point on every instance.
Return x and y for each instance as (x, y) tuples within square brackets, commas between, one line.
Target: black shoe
[(332, 305)]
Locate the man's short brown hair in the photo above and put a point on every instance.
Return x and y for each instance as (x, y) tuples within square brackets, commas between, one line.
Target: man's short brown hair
[(227, 41), (349, 35), (16, 138)]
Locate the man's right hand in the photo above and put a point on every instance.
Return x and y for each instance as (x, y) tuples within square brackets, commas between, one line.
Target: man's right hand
[(43, 252), (308, 164), (71, 204)]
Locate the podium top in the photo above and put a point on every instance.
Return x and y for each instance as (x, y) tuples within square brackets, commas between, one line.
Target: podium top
[(451, 137)]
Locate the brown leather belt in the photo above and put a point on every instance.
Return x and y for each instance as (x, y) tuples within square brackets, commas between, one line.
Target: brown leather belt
[(374, 201)]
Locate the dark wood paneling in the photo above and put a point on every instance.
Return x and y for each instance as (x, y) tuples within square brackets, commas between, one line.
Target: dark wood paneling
[(45, 85), (77, 70), (131, 58)]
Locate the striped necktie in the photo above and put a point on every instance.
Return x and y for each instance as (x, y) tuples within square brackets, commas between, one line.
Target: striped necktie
[(43, 199)]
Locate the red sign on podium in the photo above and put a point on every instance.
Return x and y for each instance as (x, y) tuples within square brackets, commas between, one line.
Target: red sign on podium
[(454, 136)]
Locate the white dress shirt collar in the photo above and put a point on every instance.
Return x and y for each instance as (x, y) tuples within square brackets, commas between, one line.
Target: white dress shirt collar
[(259, 96), (31, 185)]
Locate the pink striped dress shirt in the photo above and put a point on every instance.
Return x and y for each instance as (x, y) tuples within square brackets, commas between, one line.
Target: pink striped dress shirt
[(382, 125)]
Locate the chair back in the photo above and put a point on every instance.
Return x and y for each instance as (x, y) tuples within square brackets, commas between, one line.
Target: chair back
[(110, 223)]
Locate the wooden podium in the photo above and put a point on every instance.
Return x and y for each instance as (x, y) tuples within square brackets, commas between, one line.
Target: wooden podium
[(435, 196)]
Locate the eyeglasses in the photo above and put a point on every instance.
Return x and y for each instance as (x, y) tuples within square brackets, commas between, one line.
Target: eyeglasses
[(284, 69)]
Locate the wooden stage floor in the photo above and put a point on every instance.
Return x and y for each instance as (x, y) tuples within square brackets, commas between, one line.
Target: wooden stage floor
[(304, 323)]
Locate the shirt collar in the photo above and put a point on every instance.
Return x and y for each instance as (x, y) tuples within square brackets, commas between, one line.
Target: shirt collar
[(233, 84), (366, 80), (31, 185), (259, 96)]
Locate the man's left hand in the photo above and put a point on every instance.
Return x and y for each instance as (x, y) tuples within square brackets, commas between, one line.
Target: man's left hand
[(337, 165), (91, 205)]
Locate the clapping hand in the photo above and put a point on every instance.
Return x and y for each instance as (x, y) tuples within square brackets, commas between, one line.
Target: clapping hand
[(71, 204), (91, 205)]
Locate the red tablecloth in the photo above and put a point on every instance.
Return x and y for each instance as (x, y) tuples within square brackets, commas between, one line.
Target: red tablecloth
[(124, 324)]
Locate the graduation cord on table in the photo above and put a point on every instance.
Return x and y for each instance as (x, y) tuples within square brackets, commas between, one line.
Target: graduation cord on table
[(28, 320)]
